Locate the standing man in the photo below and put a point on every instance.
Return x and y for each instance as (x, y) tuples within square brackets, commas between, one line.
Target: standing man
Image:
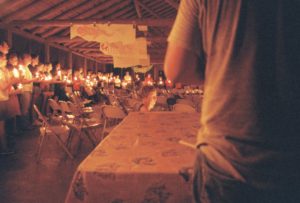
[(4, 48), (26, 95), (247, 52)]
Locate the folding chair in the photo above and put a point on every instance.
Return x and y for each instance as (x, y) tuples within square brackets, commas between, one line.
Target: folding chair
[(82, 124), (78, 101), (112, 116), (65, 110), (57, 113), (47, 129)]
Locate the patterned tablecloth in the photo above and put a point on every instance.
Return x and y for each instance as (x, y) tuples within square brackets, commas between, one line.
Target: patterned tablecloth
[(140, 161)]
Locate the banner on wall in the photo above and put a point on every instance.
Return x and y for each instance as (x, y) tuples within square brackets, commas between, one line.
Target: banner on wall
[(137, 48), (118, 41), (104, 33)]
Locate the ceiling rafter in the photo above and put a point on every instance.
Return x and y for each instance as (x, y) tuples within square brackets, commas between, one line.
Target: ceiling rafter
[(52, 21), (125, 10), (20, 11), (97, 8), (102, 15), (137, 9), (155, 5), (128, 15), (172, 3), (148, 9), (64, 15), (66, 23), (39, 39), (151, 12), (78, 39), (51, 32), (48, 12), (7, 5), (164, 11)]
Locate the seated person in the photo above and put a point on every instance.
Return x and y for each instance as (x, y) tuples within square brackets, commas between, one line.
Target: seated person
[(149, 97), (60, 93)]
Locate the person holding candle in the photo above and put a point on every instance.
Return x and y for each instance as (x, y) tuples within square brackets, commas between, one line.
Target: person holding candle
[(26, 96), (5, 86), (58, 72), (117, 82), (13, 106), (36, 91), (46, 88), (148, 80), (4, 48), (127, 77)]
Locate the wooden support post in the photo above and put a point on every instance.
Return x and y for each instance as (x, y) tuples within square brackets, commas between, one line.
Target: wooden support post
[(96, 67), (47, 53), (84, 66), (70, 62), (9, 37)]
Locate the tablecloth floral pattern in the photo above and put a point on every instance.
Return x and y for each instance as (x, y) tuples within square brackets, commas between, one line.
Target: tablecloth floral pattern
[(140, 161)]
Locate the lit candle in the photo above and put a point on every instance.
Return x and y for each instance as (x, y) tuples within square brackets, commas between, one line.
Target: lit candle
[(20, 86), (16, 73), (22, 70), (150, 83), (49, 77), (124, 84)]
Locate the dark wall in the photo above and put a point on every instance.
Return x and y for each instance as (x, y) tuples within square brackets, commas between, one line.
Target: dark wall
[(59, 56), (91, 65), (78, 62), (2, 34), (22, 45)]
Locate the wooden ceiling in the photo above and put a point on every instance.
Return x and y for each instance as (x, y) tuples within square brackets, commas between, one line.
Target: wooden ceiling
[(51, 20)]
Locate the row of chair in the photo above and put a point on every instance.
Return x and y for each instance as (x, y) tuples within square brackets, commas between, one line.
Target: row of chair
[(76, 119)]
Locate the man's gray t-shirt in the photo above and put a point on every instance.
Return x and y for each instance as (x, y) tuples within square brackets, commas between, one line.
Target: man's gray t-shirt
[(251, 105)]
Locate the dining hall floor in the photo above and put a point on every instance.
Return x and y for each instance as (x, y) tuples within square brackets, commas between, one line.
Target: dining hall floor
[(24, 180)]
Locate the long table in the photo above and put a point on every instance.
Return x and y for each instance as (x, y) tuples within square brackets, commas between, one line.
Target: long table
[(140, 161)]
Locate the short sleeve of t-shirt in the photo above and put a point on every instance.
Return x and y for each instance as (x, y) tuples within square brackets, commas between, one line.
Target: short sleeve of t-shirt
[(185, 32)]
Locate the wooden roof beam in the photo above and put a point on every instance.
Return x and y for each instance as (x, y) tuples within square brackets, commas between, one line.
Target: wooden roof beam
[(112, 9), (88, 12), (9, 5), (69, 13), (86, 49), (106, 8), (123, 11), (96, 9), (48, 12), (172, 3), (138, 9), (148, 9), (21, 11), (78, 39), (66, 23), (41, 40)]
